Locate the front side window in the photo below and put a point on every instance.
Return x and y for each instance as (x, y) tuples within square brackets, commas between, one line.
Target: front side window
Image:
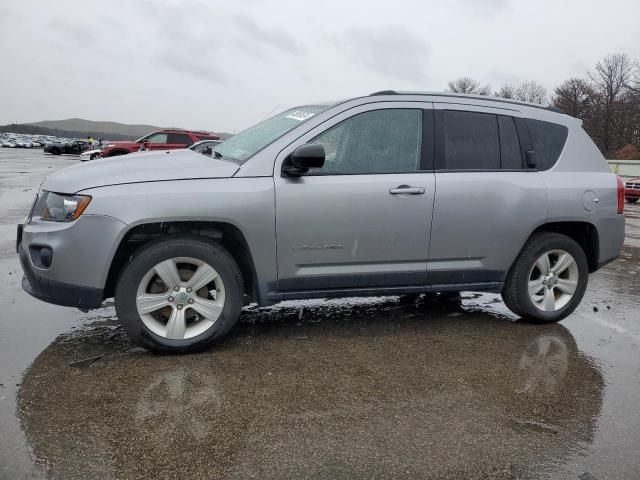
[(548, 141), (156, 138), (470, 140), (379, 141), (247, 143)]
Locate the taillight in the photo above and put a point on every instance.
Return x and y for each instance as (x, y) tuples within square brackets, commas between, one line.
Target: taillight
[(620, 195)]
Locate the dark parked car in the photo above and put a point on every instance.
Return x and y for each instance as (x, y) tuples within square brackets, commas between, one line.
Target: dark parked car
[(58, 148)]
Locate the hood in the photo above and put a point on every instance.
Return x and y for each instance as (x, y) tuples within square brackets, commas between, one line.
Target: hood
[(136, 168)]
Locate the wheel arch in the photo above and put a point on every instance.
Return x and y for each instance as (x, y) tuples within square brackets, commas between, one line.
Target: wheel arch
[(116, 152), (226, 234), (584, 233)]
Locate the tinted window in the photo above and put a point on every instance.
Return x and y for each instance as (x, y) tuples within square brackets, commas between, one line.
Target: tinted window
[(510, 153), (548, 141), (470, 140), (179, 138), (380, 141)]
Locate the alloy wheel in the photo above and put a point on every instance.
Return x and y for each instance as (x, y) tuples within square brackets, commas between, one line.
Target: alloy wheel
[(553, 280), (180, 298)]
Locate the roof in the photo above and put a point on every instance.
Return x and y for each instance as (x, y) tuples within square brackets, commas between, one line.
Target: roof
[(475, 97)]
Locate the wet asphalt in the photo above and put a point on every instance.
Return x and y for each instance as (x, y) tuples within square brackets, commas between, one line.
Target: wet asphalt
[(433, 387)]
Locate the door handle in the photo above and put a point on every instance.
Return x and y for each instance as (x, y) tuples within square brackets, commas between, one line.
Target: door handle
[(406, 190)]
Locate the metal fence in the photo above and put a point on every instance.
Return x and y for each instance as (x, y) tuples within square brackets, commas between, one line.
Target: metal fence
[(625, 168)]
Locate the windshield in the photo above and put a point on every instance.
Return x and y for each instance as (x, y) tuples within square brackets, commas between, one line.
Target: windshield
[(247, 143)]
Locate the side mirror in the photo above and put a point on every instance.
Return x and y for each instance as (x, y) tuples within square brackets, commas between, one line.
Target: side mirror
[(530, 157), (303, 158)]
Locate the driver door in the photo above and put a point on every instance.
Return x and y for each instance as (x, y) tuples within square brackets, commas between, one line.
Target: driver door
[(157, 141), (363, 219)]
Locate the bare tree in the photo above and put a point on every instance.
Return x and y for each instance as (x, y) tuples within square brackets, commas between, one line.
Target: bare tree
[(468, 85), (506, 91), (610, 78), (531, 91), (574, 97)]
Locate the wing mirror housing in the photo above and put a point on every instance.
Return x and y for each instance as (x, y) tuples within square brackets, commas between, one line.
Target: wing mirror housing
[(303, 158)]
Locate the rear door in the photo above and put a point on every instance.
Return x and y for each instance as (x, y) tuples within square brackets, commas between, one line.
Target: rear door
[(178, 140), (488, 202), (363, 219)]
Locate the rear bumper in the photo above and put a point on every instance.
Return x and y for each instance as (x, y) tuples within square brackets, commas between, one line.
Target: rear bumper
[(611, 233), (54, 292)]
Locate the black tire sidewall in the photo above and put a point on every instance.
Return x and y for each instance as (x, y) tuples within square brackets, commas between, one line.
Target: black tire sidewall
[(541, 244), (163, 249)]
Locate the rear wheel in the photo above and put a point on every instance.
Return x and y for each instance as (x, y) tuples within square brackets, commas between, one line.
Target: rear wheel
[(548, 279), (179, 295)]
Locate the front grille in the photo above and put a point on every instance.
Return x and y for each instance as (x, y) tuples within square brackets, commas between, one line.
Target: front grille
[(632, 186)]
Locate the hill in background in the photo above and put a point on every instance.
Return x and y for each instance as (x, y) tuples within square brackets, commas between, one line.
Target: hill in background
[(80, 128), (89, 126)]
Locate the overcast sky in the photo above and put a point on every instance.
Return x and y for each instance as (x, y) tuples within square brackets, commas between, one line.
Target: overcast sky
[(226, 65)]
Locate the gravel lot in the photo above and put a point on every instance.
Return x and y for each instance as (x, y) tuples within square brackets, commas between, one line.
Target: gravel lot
[(356, 388)]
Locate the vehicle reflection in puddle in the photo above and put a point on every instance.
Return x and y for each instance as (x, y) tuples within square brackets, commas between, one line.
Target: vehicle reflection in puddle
[(351, 388)]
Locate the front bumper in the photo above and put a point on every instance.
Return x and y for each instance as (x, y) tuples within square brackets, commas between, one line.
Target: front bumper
[(79, 261), (628, 193), (54, 292)]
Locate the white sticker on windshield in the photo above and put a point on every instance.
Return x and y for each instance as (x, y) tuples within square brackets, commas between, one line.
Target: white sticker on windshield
[(300, 115)]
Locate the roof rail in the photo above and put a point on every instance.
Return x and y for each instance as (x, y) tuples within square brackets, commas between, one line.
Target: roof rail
[(384, 92), (551, 108), (489, 98)]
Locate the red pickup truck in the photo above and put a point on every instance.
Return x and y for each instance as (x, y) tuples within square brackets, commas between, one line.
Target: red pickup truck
[(632, 190), (160, 140)]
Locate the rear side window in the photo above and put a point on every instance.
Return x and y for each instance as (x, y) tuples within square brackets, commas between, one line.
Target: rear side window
[(548, 141), (179, 139), (470, 140), (510, 154)]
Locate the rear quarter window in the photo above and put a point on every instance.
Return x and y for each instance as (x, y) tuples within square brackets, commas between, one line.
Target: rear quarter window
[(548, 141)]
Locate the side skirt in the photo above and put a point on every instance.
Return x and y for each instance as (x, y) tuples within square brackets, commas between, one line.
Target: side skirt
[(280, 296)]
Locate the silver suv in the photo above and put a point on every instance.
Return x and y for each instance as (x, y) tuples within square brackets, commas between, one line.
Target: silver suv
[(388, 194)]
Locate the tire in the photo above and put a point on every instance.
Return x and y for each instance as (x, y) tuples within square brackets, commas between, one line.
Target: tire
[(195, 332), (574, 277), (632, 200), (117, 153), (56, 151)]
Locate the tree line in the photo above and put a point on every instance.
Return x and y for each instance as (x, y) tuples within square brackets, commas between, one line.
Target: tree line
[(606, 99)]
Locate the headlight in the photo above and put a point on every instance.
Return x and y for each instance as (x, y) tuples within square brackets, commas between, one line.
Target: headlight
[(57, 207)]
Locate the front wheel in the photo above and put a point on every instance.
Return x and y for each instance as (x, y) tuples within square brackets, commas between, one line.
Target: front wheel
[(179, 295), (548, 279)]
